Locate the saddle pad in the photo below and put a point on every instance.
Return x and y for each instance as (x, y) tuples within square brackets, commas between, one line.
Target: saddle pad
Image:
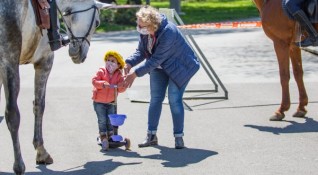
[(41, 11)]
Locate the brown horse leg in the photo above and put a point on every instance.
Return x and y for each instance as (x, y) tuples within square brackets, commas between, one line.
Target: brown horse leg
[(282, 53), (296, 60), (42, 71)]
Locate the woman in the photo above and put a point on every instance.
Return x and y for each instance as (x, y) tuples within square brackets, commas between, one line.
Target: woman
[(170, 62)]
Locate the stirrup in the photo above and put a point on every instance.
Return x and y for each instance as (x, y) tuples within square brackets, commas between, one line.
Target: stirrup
[(308, 42), (55, 45), (65, 40)]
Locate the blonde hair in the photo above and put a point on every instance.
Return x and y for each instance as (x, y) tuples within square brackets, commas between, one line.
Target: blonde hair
[(116, 55), (150, 16)]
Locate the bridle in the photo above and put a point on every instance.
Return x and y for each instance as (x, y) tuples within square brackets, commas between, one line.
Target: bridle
[(73, 37)]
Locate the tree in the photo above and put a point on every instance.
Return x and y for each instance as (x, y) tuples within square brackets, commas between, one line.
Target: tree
[(138, 2), (176, 4), (108, 1)]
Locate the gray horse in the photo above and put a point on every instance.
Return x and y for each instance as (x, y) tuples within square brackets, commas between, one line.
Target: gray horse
[(22, 42)]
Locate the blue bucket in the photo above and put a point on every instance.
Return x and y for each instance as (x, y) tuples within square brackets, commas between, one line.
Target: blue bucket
[(117, 119)]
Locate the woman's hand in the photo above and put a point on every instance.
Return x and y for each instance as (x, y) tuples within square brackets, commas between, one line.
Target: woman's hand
[(105, 84), (129, 79), (127, 68)]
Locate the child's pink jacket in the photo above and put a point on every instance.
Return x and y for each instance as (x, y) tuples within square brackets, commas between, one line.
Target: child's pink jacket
[(105, 94)]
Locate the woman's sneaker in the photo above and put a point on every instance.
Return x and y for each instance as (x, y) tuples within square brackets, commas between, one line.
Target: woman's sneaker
[(150, 140), (179, 143)]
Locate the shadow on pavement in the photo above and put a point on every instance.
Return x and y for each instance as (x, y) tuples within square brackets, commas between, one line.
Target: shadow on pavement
[(180, 158), (241, 106), (1, 118), (90, 168), (310, 125), (171, 157), (119, 152)]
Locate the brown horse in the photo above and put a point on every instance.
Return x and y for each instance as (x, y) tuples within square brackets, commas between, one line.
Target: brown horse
[(282, 31)]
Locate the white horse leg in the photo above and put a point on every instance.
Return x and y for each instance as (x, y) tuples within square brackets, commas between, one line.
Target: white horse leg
[(11, 84), (0, 85), (10, 50), (42, 71)]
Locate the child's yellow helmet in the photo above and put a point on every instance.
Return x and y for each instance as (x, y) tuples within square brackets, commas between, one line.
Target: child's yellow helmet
[(118, 57)]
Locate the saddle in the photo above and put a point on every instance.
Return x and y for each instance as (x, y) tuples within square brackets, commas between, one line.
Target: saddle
[(42, 15)]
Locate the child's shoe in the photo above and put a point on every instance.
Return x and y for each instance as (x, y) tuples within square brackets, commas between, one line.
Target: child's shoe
[(104, 142)]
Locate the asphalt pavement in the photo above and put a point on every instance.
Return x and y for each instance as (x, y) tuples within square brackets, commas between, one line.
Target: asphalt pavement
[(223, 137)]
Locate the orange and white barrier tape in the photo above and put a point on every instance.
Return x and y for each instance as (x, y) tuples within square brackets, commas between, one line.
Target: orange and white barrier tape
[(217, 25), (223, 25)]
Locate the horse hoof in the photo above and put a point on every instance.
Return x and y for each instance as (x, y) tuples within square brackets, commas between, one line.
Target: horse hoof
[(277, 116), (300, 114), (46, 161)]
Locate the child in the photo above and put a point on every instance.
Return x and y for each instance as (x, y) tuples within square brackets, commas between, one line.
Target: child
[(104, 95)]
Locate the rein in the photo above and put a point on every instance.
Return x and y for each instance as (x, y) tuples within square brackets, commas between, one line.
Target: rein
[(73, 37)]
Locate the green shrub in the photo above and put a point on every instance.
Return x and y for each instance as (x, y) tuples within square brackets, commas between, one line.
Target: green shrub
[(107, 16), (125, 16)]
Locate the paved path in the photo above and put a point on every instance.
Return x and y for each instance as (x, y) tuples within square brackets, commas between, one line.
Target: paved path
[(223, 137)]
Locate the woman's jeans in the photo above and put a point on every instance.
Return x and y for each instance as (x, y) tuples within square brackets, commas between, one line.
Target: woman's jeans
[(159, 82), (102, 110), (294, 5)]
